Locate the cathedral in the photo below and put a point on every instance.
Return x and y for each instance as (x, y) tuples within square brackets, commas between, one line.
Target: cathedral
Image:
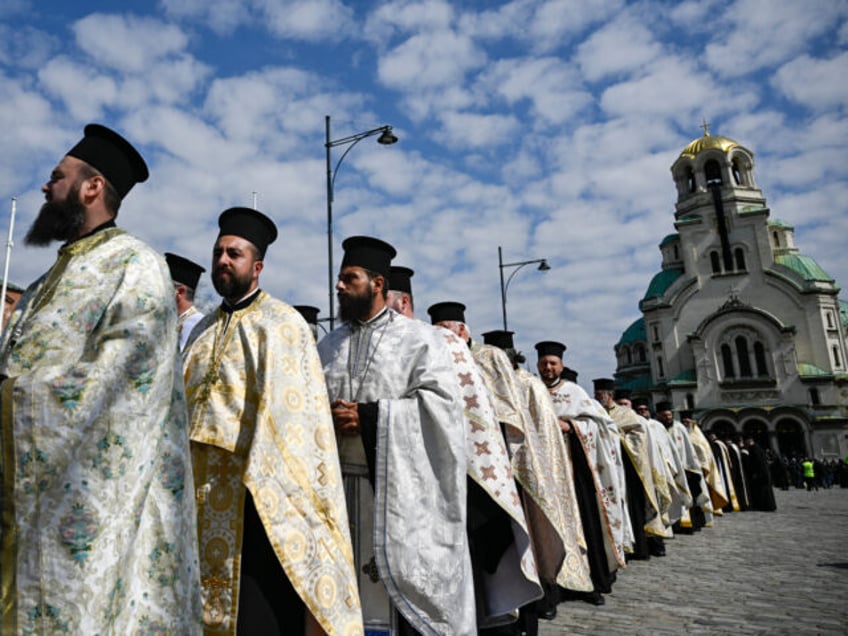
[(739, 325)]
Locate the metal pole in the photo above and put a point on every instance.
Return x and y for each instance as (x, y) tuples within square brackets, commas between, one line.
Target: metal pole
[(9, 245), (503, 290), (330, 276)]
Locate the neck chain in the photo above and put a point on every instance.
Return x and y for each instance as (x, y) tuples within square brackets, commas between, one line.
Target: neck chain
[(369, 355), (222, 337)]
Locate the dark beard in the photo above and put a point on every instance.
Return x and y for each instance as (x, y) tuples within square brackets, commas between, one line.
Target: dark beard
[(57, 221), (233, 289), (355, 307)]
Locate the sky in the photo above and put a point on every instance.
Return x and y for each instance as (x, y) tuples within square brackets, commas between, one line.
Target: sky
[(545, 128)]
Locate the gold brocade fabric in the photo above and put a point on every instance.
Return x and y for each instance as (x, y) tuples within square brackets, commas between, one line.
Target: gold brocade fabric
[(575, 573), (541, 465), (98, 518), (634, 439), (718, 494), (260, 419)]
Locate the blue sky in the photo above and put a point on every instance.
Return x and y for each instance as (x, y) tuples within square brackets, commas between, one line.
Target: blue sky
[(547, 128)]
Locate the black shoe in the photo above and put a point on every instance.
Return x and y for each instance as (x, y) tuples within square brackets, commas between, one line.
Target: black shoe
[(594, 598), (548, 613)]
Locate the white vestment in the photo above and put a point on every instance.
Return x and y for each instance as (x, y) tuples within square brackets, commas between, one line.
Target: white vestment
[(418, 548)]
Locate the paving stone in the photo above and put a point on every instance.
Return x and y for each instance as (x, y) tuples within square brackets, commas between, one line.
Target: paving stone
[(783, 572)]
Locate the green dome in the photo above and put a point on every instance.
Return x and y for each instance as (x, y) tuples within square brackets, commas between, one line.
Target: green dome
[(669, 239), (804, 266), (661, 282), (634, 333)]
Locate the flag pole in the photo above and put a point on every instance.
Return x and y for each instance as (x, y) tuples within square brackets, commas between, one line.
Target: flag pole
[(9, 244)]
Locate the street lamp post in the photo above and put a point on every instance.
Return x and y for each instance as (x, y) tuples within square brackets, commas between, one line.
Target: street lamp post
[(543, 267), (386, 138)]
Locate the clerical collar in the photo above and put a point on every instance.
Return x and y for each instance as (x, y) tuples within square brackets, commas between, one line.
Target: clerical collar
[(244, 302), (553, 384), (374, 320), (99, 228)]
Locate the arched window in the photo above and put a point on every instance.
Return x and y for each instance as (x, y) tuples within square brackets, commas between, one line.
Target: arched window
[(737, 173), (742, 355), (690, 179), (776, 238), (760, 359), (829, 320), (836, 361), (676, 253), (627, 355), (740, 259), (712, 172), (815, 400), (715, 262), (640, 353), (660, 368), (727, 361), (690, 401)]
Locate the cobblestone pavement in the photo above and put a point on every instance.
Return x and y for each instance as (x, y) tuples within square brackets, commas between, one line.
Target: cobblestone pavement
[(783, 572)]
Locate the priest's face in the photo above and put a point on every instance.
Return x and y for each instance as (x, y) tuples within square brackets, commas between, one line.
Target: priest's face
[(63, 215), (550, 368), (235, 267), (666, 417), (356, 292)]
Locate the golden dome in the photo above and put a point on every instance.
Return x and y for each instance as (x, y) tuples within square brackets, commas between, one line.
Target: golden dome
[(708, 142)]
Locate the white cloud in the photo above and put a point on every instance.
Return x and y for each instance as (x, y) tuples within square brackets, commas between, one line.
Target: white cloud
[(621, 46), (554, 88), (429, 60), (25, 47), (306, 19), (62, 77), (408, 16), (753, 34), (815, 83), (128, 43), (222, 16)]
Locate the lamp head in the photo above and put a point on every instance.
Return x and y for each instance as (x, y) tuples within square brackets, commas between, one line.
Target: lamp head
[(387, 137), (543, 266)]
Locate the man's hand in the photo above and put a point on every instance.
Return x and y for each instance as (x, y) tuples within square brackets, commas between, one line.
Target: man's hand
[(564, 425), (345, 417)]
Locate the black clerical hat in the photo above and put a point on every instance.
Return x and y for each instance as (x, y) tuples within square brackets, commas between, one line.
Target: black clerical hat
[(400, 279), (621, 394), (111, 155), (663, 406), (604, 384), (309, 313), (249, 224), (569, 374), (446, 311), (183, 270), (550, 348), (499, 338), (368, 253), (685, 414)]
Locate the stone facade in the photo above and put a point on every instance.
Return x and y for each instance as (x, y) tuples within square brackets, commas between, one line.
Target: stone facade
[(739, 325)]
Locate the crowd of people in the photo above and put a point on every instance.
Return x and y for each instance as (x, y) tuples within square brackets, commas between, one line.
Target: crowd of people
[(165, 471)]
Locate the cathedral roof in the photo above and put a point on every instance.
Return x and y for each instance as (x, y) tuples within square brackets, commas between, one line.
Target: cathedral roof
[(779, 223), (662, 281), (805, 266), (707, 142), (670, 238), (634, 333)]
